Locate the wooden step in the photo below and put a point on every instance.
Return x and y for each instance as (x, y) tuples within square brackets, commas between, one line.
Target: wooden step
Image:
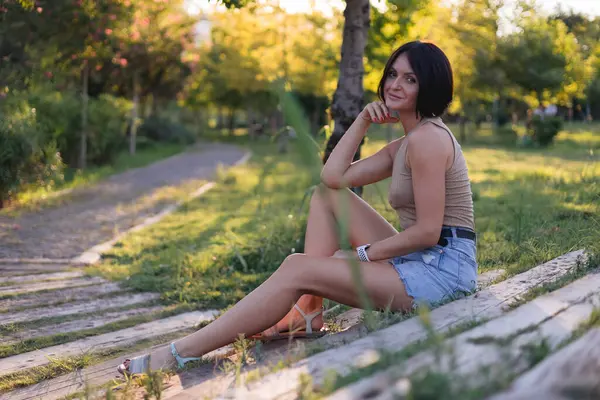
[(54, 297), (97, 305), (41, 277), (108, 340), (488, 303), (89, 322), (574, 369), (30, 287), (498, 343)]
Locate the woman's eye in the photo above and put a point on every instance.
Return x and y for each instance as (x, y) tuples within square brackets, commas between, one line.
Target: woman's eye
[(410, 79), (392, 74)]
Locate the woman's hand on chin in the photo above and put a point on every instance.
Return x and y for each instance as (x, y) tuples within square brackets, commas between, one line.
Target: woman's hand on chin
[(377, 112)]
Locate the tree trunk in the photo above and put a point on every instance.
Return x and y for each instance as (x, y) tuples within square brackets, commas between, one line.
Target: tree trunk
[(231, 122), (200, 123), (348, 97), (220, 118), (84, 116), (134, 114)]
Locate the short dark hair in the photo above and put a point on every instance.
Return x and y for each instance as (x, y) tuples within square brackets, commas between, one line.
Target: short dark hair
[(434, 74)]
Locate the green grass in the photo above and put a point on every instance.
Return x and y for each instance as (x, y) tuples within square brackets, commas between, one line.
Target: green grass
[(531, 205), (36, 197), (220, 246)]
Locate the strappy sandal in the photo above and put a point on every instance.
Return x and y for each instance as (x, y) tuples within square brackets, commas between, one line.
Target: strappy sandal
[(141, 364), (307, 333)]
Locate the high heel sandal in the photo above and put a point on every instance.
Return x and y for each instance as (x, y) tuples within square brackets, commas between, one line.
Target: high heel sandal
[(141, 364), (306, 333)]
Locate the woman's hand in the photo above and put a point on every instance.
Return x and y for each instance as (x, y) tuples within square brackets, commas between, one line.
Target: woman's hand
[(378, 113)]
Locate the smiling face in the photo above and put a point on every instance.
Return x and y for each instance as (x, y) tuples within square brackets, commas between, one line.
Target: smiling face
[(401, 87), (417, 78)]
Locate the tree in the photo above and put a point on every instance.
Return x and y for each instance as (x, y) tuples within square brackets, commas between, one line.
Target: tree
[(348, 97), (543, 61), (74, 34), (587, 32), (478, 80)]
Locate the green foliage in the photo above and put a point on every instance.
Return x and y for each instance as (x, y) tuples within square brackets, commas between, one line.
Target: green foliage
[(543, 130), (22, 160), (543, 60), (163, 130), (108, 117), (58, 120)]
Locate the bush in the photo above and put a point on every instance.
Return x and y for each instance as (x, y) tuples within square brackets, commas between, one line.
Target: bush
[(58, 116), (163, 130), (543, 131), (107, 123), (23, 160)]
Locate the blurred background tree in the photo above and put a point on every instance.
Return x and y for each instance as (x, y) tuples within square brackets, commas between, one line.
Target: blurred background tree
[(86, 80)]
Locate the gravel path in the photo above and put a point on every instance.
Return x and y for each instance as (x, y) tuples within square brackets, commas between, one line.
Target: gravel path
[(94, 214)]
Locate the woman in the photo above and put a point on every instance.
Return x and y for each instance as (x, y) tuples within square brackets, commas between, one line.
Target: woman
[(430, 261)]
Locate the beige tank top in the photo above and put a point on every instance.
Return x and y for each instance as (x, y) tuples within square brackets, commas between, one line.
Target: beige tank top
[(459, 201)]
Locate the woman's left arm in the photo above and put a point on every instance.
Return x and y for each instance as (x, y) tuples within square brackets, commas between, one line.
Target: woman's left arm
[(428, 155)]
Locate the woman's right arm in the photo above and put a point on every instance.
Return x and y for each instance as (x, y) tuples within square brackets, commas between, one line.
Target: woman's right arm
[(339, 170)]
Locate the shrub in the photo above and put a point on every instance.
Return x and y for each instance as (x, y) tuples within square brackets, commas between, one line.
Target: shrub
[(543, 131), (107, 124), (22, 159), (58, 116), (163, 130)]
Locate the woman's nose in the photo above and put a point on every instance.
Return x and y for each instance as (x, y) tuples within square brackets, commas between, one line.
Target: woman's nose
[(397, 83)]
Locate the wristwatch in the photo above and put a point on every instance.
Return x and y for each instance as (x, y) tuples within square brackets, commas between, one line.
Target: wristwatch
[(362, 252)]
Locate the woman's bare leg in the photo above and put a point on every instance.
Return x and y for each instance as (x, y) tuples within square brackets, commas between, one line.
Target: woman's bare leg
[(298, 275), (328, 206)]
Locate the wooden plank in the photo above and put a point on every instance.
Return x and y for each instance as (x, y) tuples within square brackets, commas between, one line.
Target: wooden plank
[(105, 341), (54, 297), (100, 374), (40, 277), (574, 369), (30, 287), (552, 317), (23, 269), (78, 308), (488, 303), (90, 322)]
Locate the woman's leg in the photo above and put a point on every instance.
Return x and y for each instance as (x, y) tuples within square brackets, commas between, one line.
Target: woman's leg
[(298, 275), (327, 206)]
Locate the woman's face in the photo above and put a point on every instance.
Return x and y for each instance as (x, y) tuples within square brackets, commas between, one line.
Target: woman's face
[(401, 87)]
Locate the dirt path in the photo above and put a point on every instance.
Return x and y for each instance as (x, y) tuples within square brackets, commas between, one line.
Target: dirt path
[(94, 214)]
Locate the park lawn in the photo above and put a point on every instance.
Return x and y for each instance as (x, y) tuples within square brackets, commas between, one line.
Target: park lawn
[(531, 206), (37, 196)]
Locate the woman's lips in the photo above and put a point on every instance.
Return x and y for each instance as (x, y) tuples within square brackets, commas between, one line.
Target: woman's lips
[(392, 97)]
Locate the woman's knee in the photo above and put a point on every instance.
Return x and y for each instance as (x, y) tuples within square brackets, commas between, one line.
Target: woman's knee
[(290, 272), (323, 196)]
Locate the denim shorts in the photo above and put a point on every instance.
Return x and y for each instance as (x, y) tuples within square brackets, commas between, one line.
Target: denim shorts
[(439, 274)]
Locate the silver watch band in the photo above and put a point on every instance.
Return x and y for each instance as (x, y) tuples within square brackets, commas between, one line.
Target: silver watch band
[(362, 252)]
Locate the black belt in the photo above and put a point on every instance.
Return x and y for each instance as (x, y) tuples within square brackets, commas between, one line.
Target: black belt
[(460, 232)]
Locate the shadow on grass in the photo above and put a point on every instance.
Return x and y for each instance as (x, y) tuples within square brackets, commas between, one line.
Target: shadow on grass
[(222, 245)]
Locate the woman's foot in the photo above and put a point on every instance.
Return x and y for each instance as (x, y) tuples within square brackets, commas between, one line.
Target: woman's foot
[(299, 322), (160, 359)]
